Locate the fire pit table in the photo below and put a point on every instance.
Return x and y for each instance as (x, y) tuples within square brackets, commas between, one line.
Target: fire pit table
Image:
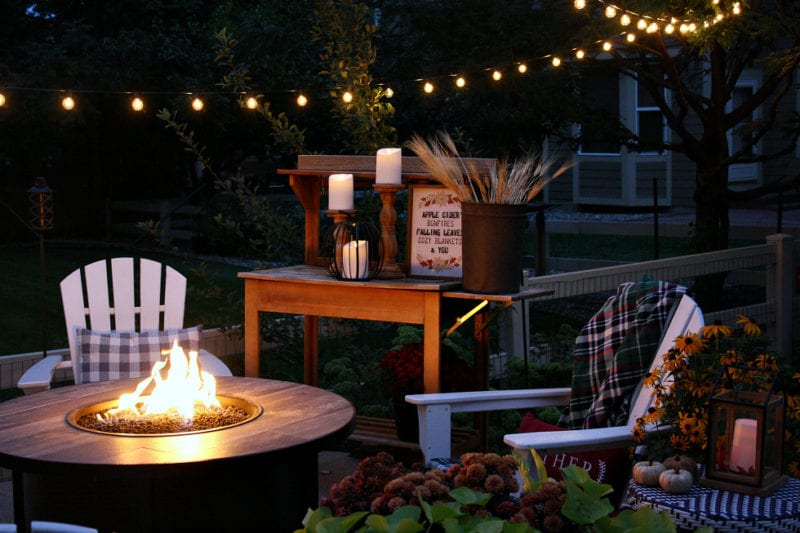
[(259, 475)]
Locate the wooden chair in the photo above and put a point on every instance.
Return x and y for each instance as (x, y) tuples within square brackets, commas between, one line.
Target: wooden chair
[(88, 304), (435, 410)]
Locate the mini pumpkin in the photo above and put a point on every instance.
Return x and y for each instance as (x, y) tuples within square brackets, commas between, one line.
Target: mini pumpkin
[(646, 472), (676, 480), (682, 461)]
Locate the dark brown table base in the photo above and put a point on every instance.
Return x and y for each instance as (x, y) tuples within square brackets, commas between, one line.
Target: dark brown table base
[(259, 476)]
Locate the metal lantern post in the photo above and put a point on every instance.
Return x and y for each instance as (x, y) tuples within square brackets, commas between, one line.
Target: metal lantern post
[(745, 433), (41, 210)]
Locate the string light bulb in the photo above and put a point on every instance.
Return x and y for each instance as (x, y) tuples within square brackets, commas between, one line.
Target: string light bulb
[(607, 46), (389, 92), (137, 104), (669, 29), (611, 12), (198, 104), (580, 4), (68, 103), (652, 28), (461, 82), (2, 99), (522, 68), (251, 102), (625, 19), (630, 37), (347, 97), (580, 54), (302, 100), (428, 87), (497, 75), (642, 24), (556, 62)]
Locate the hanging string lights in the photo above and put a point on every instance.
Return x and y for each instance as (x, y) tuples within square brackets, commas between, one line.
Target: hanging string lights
[(633, 26)]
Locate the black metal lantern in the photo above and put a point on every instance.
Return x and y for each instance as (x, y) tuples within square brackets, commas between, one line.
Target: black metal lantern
[(745, 432), (354, 250)]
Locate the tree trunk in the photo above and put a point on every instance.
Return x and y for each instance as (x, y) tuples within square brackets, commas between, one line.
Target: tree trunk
[(712, 228)]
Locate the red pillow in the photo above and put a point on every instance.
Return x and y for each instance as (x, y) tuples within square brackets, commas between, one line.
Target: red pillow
[(610, 466)]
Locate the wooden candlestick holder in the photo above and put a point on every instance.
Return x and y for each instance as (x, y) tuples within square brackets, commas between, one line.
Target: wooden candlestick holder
[(388, 219)]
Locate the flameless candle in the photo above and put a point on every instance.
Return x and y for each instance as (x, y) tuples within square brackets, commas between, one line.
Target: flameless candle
[(389, 166), (340, 192), (743, 447), (354, 260)]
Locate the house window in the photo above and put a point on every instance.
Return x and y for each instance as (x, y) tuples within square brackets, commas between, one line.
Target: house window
[(649, 122), (740, 137), (600, 89)]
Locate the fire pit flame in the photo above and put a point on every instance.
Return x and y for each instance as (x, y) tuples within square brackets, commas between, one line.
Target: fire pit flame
[(184, 386)]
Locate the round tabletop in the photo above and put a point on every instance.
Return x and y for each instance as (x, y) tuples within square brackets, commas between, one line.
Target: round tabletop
[(36, 437)]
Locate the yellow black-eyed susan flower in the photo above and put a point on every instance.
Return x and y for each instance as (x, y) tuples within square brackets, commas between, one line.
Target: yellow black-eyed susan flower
[(690, 344), (716, 329), (748, 325)]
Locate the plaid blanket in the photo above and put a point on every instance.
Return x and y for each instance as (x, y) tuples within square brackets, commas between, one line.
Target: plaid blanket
[(614, 350)]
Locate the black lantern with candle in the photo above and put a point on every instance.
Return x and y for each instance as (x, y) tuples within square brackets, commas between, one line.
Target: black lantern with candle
[(353, 250), (745, 432)]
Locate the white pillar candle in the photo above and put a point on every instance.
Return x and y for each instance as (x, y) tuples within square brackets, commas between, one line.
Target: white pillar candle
[(355, 264), (389, 166), (340, 192), (743, 445)]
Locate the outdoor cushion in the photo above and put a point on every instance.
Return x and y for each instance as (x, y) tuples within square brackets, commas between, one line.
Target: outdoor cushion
[(610, 466), (108, 355)]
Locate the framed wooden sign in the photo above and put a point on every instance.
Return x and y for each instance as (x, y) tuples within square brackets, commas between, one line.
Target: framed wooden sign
[(434, 232)]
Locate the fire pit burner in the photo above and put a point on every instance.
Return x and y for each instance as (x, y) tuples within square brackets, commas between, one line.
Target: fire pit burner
[(231, 412)]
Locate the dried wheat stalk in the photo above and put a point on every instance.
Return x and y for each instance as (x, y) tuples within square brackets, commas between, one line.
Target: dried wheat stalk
[(508, 183)]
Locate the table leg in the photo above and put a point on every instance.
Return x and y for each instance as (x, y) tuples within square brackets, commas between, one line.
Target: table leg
[(432, 327), (252, 330), (481, 329), (311, 350), (18, 493)]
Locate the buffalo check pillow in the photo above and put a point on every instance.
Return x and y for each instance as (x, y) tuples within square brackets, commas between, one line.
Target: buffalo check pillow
[(109, 355)]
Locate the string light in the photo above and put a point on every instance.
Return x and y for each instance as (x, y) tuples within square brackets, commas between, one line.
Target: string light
[(645, 23), (68, 103), (137, 104)]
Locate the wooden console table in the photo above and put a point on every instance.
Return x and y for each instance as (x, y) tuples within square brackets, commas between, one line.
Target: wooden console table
[(313, 292)]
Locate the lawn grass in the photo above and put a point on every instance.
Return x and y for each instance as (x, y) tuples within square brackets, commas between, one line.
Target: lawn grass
[(212, 286)]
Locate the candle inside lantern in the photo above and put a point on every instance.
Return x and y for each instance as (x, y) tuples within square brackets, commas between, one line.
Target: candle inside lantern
[(743, 445), (340, 192), (388, 168), (355, 260)]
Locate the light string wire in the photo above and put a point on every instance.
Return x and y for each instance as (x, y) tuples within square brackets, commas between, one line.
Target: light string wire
[(631, 22)]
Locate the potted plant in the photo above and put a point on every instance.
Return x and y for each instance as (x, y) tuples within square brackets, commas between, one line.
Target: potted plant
[(403, 369), (692, 367), (494, 208)]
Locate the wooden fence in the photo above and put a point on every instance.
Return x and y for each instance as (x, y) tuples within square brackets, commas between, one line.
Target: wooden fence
[(773, 266)]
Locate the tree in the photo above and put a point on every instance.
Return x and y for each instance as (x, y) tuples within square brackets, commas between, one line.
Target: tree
[(692, 77)]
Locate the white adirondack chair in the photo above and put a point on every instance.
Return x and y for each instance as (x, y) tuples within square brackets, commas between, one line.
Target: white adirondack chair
[(42, 526), (435, 410), (97, 311)]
